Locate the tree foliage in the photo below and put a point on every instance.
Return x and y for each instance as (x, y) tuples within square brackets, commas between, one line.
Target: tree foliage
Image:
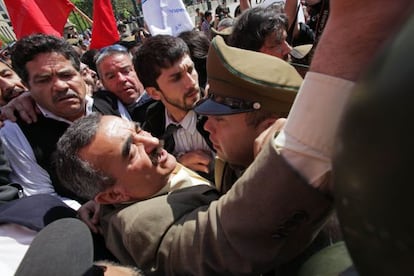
[(121, 7), (122, 10), (85, 6)]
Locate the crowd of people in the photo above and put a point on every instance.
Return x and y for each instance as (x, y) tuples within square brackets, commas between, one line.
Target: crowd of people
[(211, 153)]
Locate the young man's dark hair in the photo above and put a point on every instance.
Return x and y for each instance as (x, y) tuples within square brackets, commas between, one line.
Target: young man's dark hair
[(31, 46), (165, 68), (198, 43), (157, 52)]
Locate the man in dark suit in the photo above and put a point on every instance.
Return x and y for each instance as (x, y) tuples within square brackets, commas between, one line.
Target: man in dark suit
[(123, 93), (164, 66)]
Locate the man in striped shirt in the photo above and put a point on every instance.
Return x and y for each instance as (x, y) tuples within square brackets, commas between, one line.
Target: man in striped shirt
[(164, 66)]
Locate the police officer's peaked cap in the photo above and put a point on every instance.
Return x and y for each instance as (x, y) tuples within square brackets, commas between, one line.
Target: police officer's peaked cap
[(243, 81)]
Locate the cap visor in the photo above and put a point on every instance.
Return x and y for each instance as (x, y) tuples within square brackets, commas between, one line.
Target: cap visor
[(210, 107)]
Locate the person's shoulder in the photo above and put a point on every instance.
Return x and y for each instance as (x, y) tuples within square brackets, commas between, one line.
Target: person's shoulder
[(145, 101), (203, 190), (139, 112), (155, 107), (103, 95), (105, 102), (31, 211), (181, 201), (9, 128)]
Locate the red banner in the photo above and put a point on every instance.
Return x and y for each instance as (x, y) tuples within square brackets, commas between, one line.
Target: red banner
[(104, 28), (38, 16)]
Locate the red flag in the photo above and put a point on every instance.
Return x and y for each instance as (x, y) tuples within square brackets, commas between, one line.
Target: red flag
[(38, 16), (104, 29)]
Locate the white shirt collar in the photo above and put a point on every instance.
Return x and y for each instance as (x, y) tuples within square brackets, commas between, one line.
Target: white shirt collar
[(123, 111), (189, 122), (180, 178)]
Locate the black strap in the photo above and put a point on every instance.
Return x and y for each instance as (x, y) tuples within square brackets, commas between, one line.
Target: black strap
[(169, 143)]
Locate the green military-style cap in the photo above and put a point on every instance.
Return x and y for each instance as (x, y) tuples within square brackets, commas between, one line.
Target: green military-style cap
[(243, 81)]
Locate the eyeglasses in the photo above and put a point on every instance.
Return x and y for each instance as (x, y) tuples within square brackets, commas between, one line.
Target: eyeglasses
[(117, 48)]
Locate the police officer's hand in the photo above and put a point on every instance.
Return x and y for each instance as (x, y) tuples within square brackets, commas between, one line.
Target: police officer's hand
[(268, 134), (197, 160)]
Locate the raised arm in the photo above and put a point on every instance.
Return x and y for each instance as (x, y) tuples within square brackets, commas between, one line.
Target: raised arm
[(308, 137)]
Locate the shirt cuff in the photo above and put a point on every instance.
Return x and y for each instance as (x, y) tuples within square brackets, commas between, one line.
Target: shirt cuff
[(307, 139)]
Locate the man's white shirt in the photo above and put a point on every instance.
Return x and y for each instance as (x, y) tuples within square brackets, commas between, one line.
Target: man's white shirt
[(187, 138), (25, 169)]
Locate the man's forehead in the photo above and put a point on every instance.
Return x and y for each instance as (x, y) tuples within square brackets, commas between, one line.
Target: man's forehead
[(114, 63), (4, 66), (116, 126), (51, 57), (115, 57), (48, 61), (179, 65), (44, 64), (184, 60)]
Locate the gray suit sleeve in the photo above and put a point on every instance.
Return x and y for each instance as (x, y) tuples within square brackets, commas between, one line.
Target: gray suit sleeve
[(269, 216)]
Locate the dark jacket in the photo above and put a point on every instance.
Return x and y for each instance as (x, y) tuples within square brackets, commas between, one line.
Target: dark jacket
[(106, 103), (8, 190), (43, 137)]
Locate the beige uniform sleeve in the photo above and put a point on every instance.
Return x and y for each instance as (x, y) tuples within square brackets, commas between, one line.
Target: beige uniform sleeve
[(269, 216)]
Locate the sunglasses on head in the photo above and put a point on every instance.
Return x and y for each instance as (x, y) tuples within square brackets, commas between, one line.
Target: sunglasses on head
[(113, 48), (110, 49)]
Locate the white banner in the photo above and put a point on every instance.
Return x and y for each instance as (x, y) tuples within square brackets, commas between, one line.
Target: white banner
[(166, 17)]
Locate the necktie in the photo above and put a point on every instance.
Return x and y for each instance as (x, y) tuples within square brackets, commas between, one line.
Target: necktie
[(169, 143)]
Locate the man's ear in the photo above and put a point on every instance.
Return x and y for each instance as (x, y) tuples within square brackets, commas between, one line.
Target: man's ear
[(153, 92), (111, 196)]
